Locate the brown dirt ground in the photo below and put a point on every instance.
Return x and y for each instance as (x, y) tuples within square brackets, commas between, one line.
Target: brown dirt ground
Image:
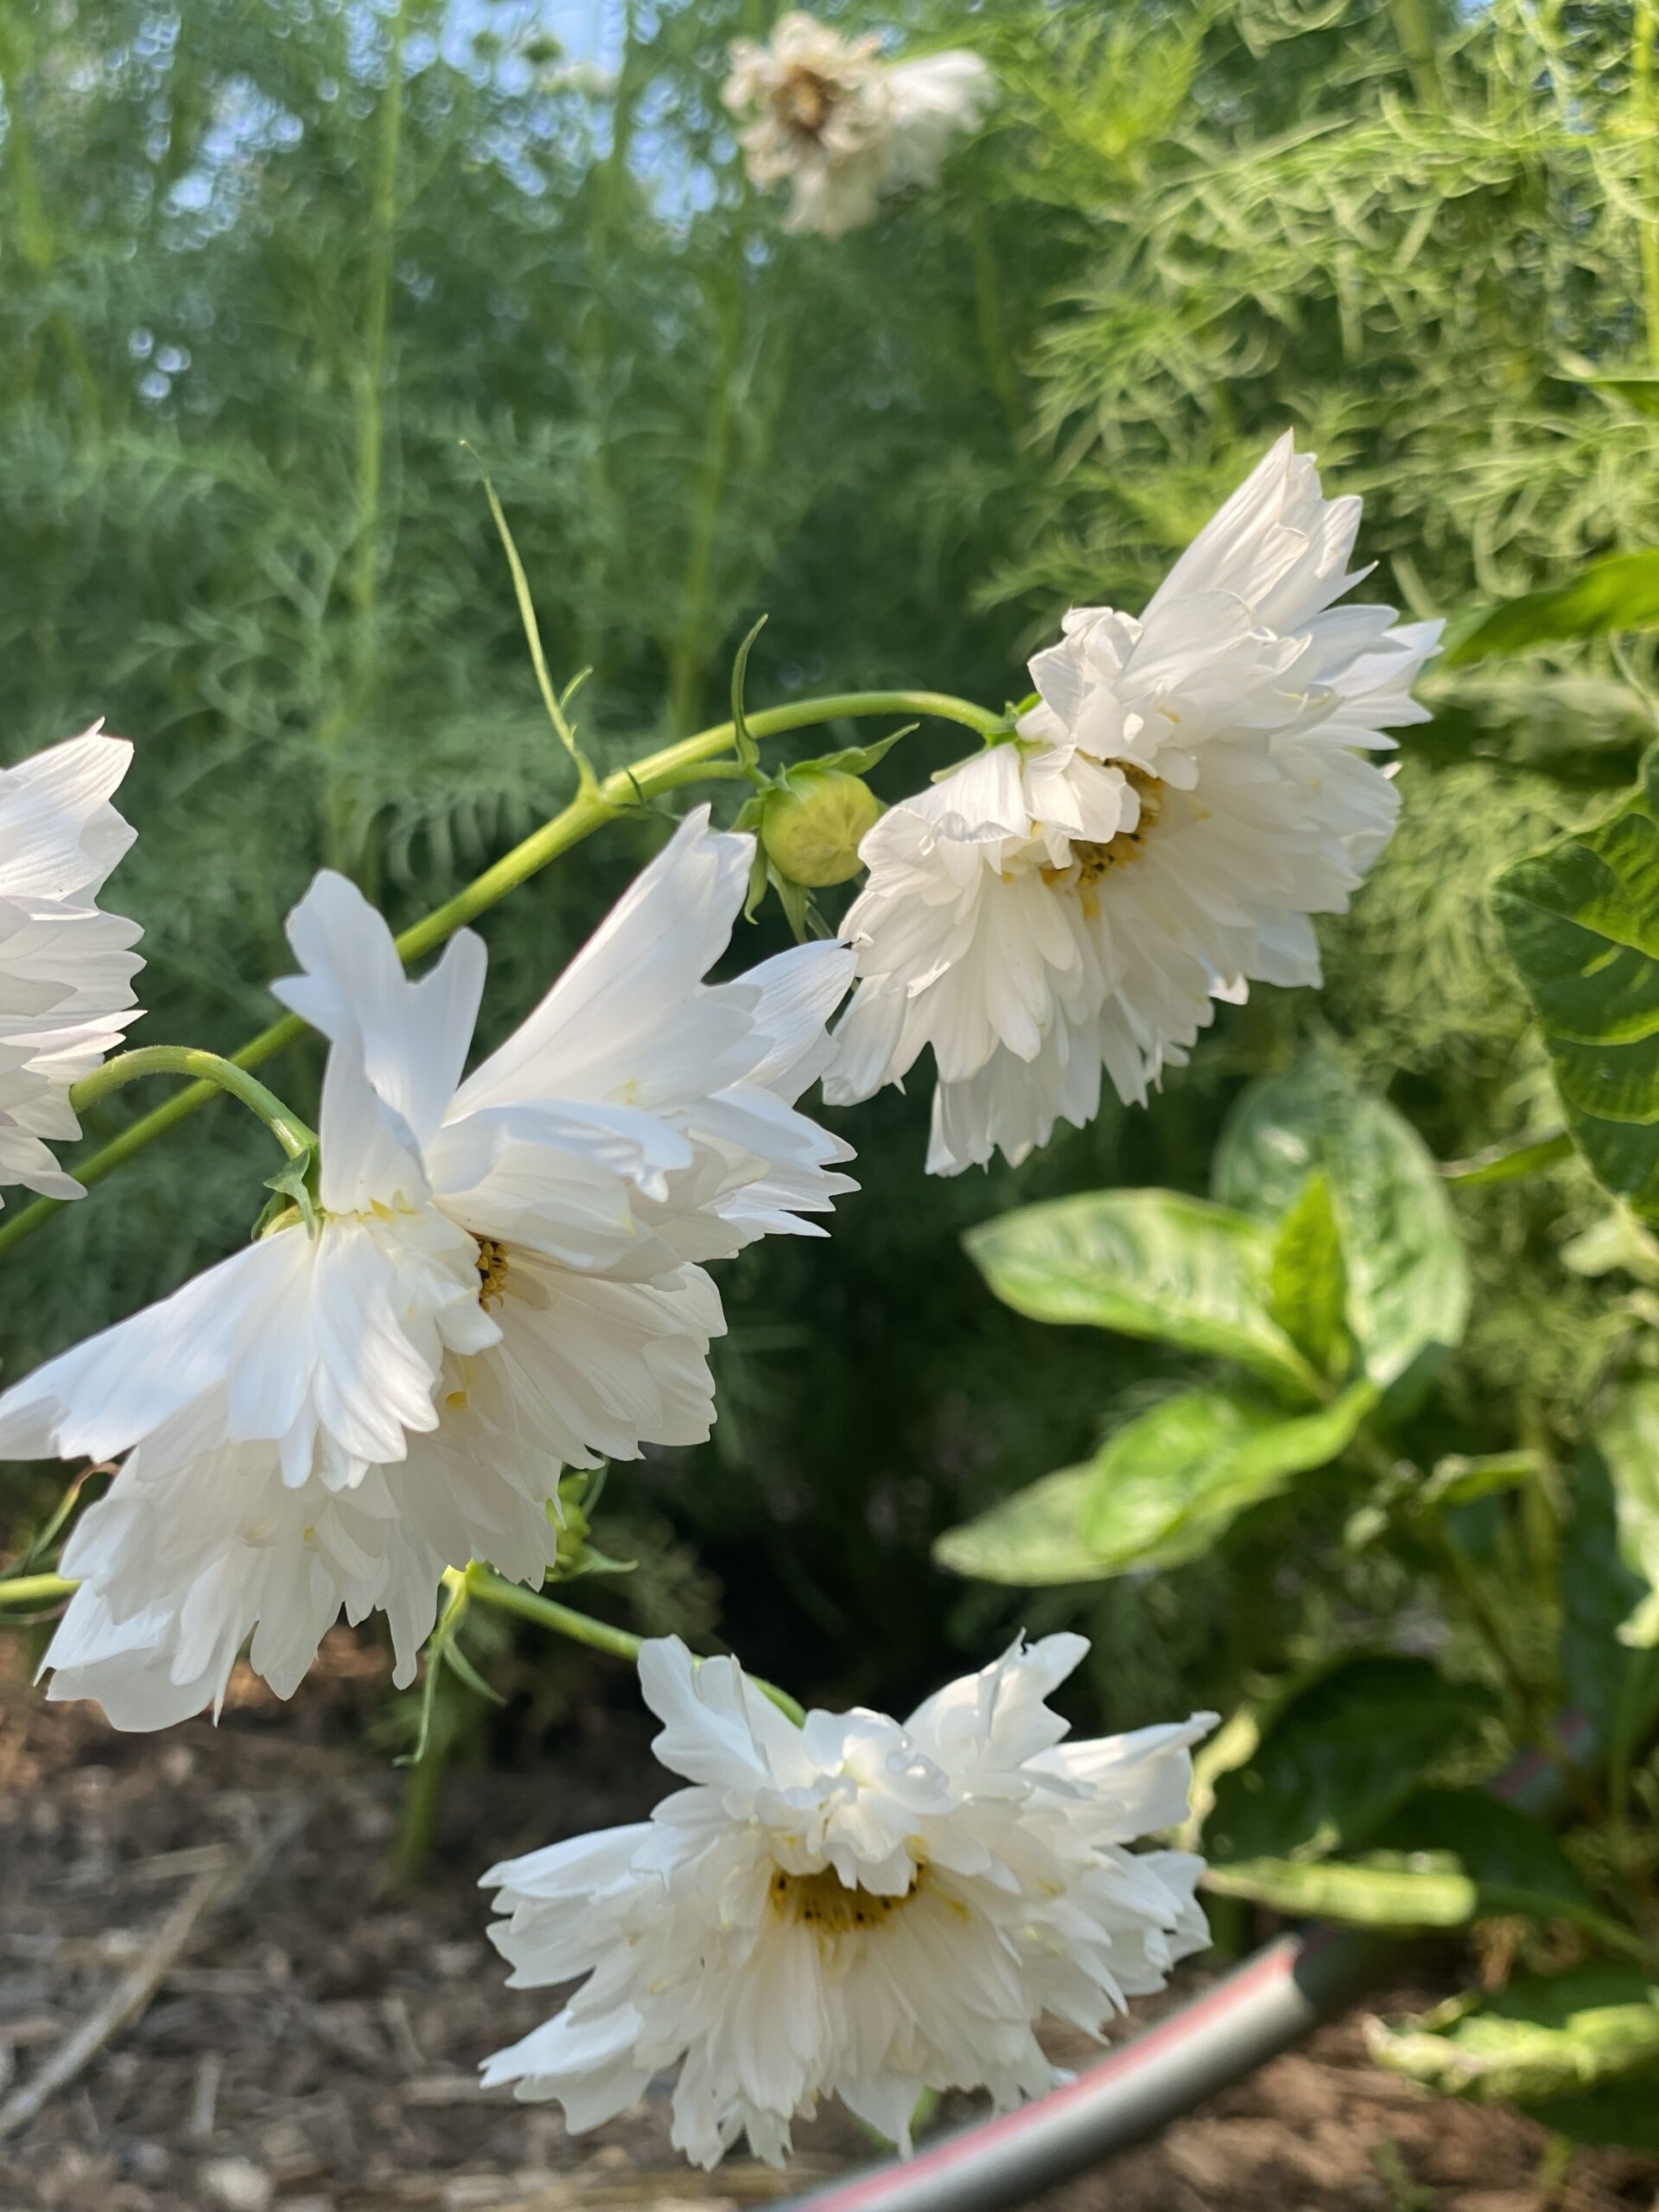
[(313, 2047)]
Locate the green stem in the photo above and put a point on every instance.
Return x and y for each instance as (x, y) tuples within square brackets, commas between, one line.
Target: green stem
[(417, 1819), (596, 335), (689, 656), (658, 772), (292, 1134), (36, 1589), (1414, 26), (583, 1628), (364, 585), (34, 236), (1647, 132), (988, 311), (1532, 1715)]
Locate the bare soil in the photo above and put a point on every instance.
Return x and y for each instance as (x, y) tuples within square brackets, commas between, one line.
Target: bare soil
[(311, 2040)]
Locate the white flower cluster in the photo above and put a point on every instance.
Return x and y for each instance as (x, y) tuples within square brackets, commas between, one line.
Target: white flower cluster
[(503, 1274), (1190, 787), (858, 1908), (828, 116), (65, 969)]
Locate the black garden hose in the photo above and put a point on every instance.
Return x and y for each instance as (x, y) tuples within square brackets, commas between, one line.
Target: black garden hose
[(1272, 2000)]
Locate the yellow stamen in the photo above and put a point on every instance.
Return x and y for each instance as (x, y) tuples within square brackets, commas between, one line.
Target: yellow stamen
[(805, 101), (492, 1270), (823, 1902), (1088, 863)]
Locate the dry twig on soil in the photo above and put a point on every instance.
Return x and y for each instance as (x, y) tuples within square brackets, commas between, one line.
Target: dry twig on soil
[(230, 1877)]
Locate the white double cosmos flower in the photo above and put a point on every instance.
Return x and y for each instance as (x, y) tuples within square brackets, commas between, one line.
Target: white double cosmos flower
[(508, 1280), (861, 1908), (66, 968), (1191, 788), (840, 125)]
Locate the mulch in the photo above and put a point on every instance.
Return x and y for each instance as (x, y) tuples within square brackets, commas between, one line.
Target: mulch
[(311, 2040)]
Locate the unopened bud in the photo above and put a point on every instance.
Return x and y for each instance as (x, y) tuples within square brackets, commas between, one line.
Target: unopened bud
[(814, 825)]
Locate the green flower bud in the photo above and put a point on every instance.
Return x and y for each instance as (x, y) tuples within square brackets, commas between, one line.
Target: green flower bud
[(813, 824)]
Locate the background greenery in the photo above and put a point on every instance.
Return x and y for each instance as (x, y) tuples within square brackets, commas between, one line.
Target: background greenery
[(264, 264)]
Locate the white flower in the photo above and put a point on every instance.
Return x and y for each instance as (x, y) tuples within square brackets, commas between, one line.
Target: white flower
[(507, 1281), (66, 969), (1191, 787), (840, 125), (860, 1907)]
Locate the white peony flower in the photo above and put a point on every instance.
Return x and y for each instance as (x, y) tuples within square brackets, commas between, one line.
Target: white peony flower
[(860, 1907), (1191, 787), (66, 969), (508, 1280), (840, 125)]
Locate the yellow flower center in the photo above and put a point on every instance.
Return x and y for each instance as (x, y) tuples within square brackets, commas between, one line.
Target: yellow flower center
[(492, 1270), (1088, 863), (805, 101), (823, 1902)]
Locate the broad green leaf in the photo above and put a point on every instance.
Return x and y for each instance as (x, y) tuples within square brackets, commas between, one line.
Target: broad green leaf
[(1627, 1437), (1581, 920), (1621, 593), (1407, 1279), (1495, 1843), (1380, 1890), (1310, 1280), (1617, 1685), (1029, 1539), (1339, 1756), (1169, 1484), (1543, 2040), (1442, 1860), (1146, 1263)]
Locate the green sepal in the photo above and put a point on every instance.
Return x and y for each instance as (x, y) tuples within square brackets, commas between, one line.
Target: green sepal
[(580, 1492), (853, 760), (456, 1659), (760, 874), (748, 753), (590, 1561), (799, 911), (294, 1186)]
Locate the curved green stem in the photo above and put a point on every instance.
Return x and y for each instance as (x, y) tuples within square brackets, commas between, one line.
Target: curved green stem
[(583, 1628), (292, 1134), (658, 772)]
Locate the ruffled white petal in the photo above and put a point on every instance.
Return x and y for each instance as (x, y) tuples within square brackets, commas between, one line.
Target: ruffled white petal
[(65, 969), (504, 1283), (855, 1909), (1192, 788)]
